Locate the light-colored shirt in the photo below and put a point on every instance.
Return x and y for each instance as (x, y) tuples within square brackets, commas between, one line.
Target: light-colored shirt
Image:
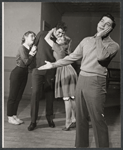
[(96, 55)]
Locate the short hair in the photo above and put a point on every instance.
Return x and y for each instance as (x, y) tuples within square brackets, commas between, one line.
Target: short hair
[(26, 34), (111, 17), (61, 25)]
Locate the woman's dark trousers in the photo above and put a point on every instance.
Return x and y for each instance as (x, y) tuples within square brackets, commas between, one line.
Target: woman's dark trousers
[(18, 80)]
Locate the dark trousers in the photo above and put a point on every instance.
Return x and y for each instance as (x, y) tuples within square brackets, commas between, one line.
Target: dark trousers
[(38, 81), (90, 99), (18, 80)]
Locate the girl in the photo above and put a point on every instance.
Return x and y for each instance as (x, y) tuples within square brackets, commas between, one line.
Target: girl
[(19, 75), (66, 78)]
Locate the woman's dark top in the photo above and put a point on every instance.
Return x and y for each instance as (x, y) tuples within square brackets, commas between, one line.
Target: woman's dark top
[(23, 58)]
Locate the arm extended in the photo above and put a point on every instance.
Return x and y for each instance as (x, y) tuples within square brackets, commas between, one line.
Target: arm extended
[(76, 55)]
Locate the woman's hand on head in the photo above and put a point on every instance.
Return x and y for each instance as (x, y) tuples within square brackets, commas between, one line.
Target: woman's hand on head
[(48, 65), (53, 30)]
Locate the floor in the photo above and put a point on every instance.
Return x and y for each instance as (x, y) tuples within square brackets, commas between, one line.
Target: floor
[(17, 136)]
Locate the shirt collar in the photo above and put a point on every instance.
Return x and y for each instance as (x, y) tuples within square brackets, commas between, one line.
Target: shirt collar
[(107, 38)]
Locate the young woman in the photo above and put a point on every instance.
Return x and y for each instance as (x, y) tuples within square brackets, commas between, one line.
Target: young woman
[(19, 75), (66, 78)]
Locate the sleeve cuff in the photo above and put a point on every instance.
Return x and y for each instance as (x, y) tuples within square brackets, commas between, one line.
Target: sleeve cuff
[(53, 65)]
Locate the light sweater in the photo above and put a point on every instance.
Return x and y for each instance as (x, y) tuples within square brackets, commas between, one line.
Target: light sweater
[(96, 55)]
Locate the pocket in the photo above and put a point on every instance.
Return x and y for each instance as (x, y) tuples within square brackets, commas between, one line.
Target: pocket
[(102, 83)]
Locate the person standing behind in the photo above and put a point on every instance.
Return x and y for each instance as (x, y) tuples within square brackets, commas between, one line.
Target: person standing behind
[(66, 78), (19, 75), (46, 78), (96, 52)]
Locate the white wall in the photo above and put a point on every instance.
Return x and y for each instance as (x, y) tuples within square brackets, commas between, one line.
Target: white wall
[(19, 17)]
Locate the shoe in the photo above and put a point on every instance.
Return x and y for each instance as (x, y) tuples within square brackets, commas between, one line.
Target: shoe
[(66, 129), (51, 123), (18, 120), (13, 121), (73, 125), (32, 126)]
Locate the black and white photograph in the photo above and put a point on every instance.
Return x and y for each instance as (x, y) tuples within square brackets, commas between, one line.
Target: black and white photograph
[(61, 74)]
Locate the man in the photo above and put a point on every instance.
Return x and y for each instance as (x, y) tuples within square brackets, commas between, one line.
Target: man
[(44, 78), (96, 53)]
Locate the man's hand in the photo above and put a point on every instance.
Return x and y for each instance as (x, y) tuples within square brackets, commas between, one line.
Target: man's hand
[(104, 32), (48, 65)]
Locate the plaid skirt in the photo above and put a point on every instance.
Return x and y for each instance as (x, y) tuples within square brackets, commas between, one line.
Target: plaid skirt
[(65, 83)]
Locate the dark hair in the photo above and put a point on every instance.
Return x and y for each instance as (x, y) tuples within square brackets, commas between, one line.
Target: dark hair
[(26, 34), (111, 17), (61, 25)]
